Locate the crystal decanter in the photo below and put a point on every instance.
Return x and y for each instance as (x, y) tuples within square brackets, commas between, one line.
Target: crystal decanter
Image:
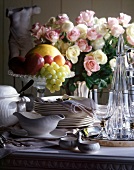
[(117, 126)]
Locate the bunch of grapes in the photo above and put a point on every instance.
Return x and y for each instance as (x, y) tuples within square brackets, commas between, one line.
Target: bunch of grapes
[(55, 75)]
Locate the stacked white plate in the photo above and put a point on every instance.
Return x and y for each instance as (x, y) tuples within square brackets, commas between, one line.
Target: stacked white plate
[(49, 106)]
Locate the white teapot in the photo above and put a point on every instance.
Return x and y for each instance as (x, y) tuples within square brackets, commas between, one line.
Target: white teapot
[(8, 105)]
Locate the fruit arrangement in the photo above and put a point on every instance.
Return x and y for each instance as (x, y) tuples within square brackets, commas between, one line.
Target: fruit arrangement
[(45, 61)]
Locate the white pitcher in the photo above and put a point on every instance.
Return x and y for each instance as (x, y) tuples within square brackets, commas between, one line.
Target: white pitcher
[(39, 126)]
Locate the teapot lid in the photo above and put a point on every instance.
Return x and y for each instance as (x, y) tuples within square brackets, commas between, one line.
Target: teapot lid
[(8, 91)]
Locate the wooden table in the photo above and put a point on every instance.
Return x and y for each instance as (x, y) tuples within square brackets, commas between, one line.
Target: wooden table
[(107, 158)]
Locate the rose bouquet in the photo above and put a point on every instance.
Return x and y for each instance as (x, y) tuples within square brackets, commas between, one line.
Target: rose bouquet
[(89, 45)]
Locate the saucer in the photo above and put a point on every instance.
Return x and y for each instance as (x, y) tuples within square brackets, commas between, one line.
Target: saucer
[(55, 134)]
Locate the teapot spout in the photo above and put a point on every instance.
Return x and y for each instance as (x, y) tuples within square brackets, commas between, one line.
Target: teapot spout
[(60, 117)]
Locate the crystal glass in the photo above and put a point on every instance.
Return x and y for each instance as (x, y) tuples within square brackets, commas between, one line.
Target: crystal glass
[(117, 128), (39, 82), (103, 109), (129, 115)]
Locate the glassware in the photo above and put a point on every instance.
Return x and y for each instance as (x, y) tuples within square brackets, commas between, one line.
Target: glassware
[(39, 82), (102, 111), (117, 126), (129, 116)]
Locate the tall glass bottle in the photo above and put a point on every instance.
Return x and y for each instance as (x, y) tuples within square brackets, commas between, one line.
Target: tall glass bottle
[(117, 126)]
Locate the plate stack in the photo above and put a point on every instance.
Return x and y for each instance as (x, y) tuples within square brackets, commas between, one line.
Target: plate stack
[(50, 106)]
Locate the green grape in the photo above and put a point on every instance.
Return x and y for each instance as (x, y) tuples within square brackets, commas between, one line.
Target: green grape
[(52, 81), (64, 74), (56, 66), (48, 76), (67, 68), (61, 69), (42, 71), (53, 72), (59, 74), (52, 90), (48, 81), (58, 82), (45, 73), (56, 87), (53, 63), (54, 76), (62, 79), (50, 68), (46, 65), (48, 86)]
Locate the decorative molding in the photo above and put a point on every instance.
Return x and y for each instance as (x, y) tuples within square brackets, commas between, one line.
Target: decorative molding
[(59, 163)]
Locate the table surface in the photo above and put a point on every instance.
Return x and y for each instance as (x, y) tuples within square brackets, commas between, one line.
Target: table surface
[(55, 158)]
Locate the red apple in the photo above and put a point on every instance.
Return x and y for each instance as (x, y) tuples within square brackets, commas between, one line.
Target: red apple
[(67, 62), (48, 59), (16, 64), (33, 63)]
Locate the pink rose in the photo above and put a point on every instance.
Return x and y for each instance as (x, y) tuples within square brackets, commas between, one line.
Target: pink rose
[(112, 21), (92, 34), (35, 27), (86, 17), (90, 65), (62, 18), (52, 35), (39, 30), (124, 19), (73, 35), (83, 45), (117, 30), (36, 30)]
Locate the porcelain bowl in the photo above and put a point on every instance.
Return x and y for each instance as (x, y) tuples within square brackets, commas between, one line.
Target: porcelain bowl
[(68, 142), (88, 146)]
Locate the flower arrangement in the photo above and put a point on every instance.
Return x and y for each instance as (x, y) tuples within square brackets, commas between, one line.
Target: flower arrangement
[(90, 44)]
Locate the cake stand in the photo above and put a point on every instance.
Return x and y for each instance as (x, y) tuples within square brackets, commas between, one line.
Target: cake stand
[(39, 82)]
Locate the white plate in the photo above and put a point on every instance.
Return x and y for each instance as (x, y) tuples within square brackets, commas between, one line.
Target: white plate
[(55, 134), (53, 111), (74, 123), (65, 113), (51, 98), (50, 108), (54, 98), (75, 126)]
